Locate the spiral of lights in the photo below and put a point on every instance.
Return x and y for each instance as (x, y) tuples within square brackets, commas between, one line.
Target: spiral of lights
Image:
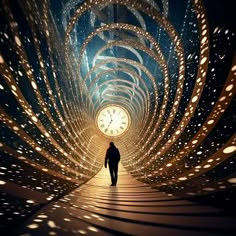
[(146, 156), (56, 78)]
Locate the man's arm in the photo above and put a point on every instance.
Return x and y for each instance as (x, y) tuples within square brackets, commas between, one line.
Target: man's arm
[(106, 159), (118, 154)]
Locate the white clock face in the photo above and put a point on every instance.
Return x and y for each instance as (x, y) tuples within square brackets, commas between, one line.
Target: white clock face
[(113, 120)]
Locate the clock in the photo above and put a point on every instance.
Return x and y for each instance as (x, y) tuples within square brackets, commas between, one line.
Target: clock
[(113, 120)]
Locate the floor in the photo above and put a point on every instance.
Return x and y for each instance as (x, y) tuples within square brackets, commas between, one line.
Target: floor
[(130, 208)]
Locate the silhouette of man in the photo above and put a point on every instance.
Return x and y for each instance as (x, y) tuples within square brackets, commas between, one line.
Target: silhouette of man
[(113, 158)]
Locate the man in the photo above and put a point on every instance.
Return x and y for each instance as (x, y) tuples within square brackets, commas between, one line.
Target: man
[(113, 158)]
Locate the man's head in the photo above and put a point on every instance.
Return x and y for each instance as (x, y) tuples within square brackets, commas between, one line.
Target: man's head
[(112, 144)]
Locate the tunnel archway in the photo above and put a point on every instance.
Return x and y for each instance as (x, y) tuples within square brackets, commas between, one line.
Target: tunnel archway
[(170, 65)]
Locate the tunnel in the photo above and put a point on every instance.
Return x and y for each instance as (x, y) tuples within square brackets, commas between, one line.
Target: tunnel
[(156, 78)]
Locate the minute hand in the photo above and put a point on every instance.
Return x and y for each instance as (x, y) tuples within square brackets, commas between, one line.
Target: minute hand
[(108, 125)]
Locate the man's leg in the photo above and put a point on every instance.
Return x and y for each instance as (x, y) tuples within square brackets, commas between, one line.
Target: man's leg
[(115, 173), (111, 168)]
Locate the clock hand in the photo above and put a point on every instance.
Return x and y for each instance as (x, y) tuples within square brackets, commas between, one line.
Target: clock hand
[(108, 126)]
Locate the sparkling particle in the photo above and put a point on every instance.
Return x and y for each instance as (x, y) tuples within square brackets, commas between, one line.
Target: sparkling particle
[(38, 149), (17, 40), (222, 98), (229, 87), (34, 85), (232, 180), (51, 233), (15, 128), (204, 59), (33, 226), (51, 224), (34, 118), (206, 166), (229, 149), (42, 216), (82, 232), (194, 141), (194, 99), (2, 182), (91, 228), (209, 189), (1, 60), (30, 201), (183, 178), (210, 122)]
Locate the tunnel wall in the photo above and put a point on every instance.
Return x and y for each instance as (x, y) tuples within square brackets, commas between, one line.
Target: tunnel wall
[(49, 140), (43, 154)]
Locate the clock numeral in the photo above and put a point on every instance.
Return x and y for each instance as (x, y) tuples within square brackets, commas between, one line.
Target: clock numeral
[(123, 117), (111, 131), (117, 131), (123, 123), (106, 130), (108, 111), (121, 127), (102, 126), (114, 111)]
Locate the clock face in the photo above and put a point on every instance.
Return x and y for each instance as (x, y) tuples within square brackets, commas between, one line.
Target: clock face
[(113, 120)]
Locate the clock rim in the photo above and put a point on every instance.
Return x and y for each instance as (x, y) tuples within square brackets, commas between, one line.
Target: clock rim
[(112, 105)]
